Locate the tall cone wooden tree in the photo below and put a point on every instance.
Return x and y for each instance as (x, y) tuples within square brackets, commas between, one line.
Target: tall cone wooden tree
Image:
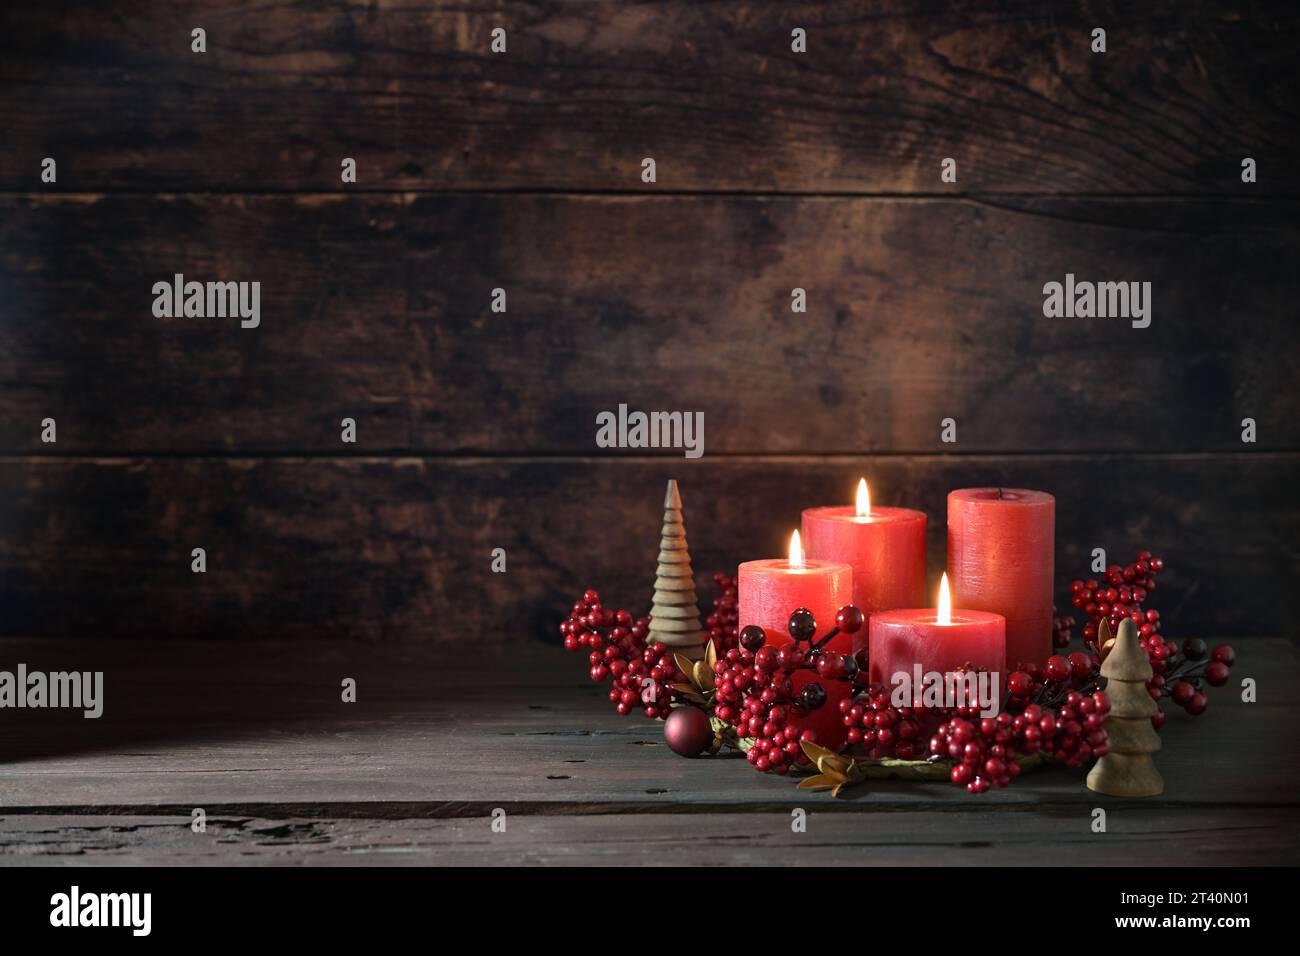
[(1127, 770), (675, 612)]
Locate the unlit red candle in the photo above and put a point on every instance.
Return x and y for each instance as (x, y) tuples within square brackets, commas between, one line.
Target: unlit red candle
[(884, 546), (1001, 552), (941, 640), (770, 590)]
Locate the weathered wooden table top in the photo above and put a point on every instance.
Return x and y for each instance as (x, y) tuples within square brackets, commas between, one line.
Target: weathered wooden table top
[(259, 738)]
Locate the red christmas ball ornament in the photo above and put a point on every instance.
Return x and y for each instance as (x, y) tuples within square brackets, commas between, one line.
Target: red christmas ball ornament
[(687, 731)]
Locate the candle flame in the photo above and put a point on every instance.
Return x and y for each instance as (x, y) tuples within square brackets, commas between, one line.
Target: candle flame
[(796, 551), (945, 601), (864, 499)]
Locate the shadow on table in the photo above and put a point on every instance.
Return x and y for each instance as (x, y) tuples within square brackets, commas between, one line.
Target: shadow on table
[(200, 693)]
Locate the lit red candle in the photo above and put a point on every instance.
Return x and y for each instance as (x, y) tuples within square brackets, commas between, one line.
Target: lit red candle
[(939, 639), (771, 589), (1001, 547), (884, 546)]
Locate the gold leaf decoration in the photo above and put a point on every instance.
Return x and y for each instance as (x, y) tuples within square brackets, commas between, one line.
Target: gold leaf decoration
[(702, 676), (835, 764), (1105, 639), (684, 664), (833, 771), (689, 692), (823, 781), (813, 751)]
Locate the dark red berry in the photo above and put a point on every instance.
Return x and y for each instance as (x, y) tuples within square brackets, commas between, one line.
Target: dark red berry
[(813, 696), (1057, 669), (802, 625), (1020, 684), (1216, 673), (1080, 664), (752, 637), (849, 619), (790, 656), (831, 666), (848, 667)]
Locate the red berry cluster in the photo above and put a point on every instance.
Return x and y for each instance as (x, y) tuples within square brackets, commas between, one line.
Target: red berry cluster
[(1070, 709), (1061, 673), (1062, 629), (641, 676), (1181, 675), (1178, 673), (985, 748), (1055, 709), (723, 624), (887, 730), (754, 687), (1119, 596)]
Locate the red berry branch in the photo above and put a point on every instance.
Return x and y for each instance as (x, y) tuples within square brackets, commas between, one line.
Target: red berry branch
[(641, 675), (754, 687), (723, 623), (1178, 672), (743, 694)]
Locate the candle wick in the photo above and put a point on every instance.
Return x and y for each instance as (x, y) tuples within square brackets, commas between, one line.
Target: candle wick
[(999, 494)]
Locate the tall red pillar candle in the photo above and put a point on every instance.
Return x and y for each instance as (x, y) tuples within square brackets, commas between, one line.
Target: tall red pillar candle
[(769, 591), (935, 640), (1001, 553), (884, 546)]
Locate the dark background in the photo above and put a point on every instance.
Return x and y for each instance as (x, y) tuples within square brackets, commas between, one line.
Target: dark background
[(775, 170)]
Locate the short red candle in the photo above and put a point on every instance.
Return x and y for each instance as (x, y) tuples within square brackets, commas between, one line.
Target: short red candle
[(1001, 544), (769, 591), (885, 548), (902, 639)]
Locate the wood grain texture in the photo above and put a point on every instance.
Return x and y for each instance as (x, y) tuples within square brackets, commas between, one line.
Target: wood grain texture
[(257, 736), (712, 91), (378, 308), (400, 549), (1260, 837)]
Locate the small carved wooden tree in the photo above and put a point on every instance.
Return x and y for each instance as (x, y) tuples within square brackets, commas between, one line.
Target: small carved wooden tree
[(1127, 770), (675, 612)]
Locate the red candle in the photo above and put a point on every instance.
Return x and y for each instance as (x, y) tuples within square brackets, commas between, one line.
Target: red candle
[(1001, 544), (884, 546), (770, 590), (938, 640)]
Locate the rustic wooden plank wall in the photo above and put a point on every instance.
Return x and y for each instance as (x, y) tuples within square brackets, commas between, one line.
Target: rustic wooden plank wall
[(521, 171)]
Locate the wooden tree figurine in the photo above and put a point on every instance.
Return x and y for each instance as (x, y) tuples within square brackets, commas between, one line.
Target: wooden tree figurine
[(1127, 770), (675, 613)]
